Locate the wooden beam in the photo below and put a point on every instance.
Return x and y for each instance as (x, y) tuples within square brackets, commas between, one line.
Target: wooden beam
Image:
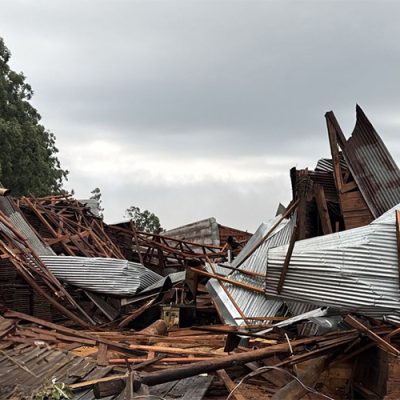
[(175, 350), (231, 281), (233, 301), (383, 344), (285, 266), (322, 206), (230, 385), (68, 331), (330, 116), (288, 211), (92, 382), (333, 142), (215, 364)]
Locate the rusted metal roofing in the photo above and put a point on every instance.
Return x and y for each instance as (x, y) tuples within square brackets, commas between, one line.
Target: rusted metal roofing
[(372, 166)]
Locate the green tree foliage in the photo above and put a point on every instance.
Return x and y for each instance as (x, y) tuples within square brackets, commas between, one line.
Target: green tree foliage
[(28, 162), (144, 221), (96, 195)]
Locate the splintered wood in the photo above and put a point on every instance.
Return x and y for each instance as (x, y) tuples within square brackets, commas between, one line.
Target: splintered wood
[(263, 365)]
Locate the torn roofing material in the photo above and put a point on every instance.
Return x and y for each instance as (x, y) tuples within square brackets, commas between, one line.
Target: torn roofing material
[(17, 252), (102, 275), (372, 166), (10, 209), (326, 165), (354, 270), (250, 303)]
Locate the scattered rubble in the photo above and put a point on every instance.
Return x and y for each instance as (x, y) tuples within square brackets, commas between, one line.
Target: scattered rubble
[(308, 307)]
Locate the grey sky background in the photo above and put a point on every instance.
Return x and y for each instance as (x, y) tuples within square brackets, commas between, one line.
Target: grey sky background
[(195, 109)]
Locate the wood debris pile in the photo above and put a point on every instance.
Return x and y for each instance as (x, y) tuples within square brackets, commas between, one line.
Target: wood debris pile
[(91, 310), (239, 363)]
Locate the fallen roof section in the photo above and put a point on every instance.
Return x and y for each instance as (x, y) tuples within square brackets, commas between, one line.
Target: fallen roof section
[(102, 275), (371, 164), (354, 270), (241, 301)]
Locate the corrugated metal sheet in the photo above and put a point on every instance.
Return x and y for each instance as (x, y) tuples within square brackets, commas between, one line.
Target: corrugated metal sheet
[(165, 283), (372, 166), (18, 220), (327, 181), (316, 312), (251, 303), (93, 205), (326, 165), (204, 232), (102, 275), (354, 270), (296, 308)]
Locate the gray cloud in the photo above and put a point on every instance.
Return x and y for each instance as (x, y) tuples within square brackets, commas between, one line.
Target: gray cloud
[(227, 82)]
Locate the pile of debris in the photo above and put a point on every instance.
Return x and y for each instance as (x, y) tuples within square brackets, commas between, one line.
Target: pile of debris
[(307, 307)]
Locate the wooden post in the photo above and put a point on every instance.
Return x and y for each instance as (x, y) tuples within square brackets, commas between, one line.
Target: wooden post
[(322, 209), (285, 266)]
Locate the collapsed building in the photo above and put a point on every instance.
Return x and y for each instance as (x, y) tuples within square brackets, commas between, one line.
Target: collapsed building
[(296, 313)]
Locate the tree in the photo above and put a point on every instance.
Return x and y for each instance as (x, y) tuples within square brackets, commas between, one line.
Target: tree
[(96, 195), (144, 221), (28, 161)]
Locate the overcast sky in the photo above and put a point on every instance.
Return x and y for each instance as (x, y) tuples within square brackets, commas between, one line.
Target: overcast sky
[(194, 109)]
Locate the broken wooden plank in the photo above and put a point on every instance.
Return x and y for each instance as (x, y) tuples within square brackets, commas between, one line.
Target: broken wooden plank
[(102, 355), (230, 385), (175, 350), (163, 359), (91, 382)]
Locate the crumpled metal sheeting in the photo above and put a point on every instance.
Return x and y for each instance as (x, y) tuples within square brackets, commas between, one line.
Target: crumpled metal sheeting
[(20, 223), (102, 275), (353, 270), (259, 233), (29, 257), (220, 269), (257, 304), (252, 304), (255, 263), (296, 308)]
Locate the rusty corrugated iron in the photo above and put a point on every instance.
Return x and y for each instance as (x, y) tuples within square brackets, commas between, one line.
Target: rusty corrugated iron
[(372, 166)]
